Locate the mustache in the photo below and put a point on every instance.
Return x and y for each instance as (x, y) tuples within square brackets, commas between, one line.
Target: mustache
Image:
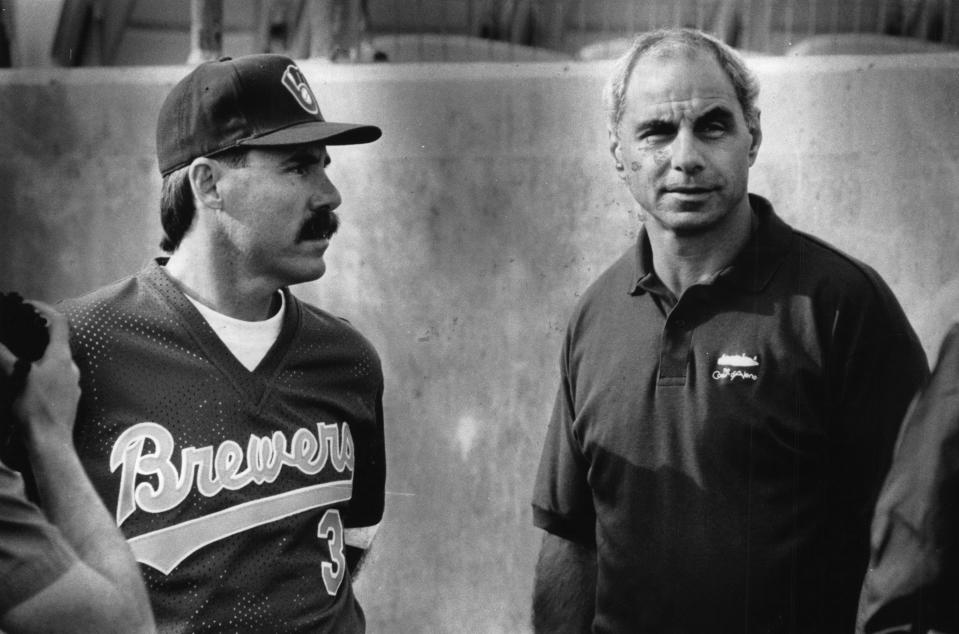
[(321, 225)]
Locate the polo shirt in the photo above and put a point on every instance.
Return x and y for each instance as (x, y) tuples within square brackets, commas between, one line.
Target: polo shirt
[(723, 450)]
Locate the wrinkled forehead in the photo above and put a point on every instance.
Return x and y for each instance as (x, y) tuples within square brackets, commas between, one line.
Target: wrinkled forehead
[(684, 83)]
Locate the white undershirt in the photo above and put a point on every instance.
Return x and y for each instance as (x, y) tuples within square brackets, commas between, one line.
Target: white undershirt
[(249, 341)]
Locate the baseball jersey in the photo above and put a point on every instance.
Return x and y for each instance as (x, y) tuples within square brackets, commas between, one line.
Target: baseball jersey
[(723, 449), (33, 553), (233, 487)]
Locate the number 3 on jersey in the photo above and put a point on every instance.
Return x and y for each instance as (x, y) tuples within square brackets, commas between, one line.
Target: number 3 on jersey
[(331, 529)]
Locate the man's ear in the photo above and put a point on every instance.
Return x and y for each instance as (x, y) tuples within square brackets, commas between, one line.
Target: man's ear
[(204, 175), (756, 132), (617, 151)]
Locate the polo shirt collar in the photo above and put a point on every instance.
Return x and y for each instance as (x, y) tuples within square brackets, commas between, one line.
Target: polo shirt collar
[(751, 269), (646, 279)]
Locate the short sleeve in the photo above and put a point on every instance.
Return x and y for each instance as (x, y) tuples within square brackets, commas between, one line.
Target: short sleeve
[(33, 553), (562, 498), (883, 367), (369, 477)]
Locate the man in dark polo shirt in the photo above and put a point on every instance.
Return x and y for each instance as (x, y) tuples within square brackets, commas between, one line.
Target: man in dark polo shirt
[(730, 388)]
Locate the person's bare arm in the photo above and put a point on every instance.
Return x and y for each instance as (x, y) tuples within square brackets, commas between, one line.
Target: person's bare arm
[(103, 591), (564, 590), (358, 544)]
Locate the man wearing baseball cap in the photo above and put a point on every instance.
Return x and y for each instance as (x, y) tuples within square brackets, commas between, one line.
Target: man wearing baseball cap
[(236, 432)]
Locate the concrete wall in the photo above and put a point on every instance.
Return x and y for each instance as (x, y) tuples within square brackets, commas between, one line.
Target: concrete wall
[(470, 230)]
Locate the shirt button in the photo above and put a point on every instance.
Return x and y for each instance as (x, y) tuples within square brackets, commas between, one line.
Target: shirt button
[(679, 323)]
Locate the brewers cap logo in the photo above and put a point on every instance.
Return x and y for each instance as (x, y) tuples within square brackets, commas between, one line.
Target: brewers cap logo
[(295, 82)]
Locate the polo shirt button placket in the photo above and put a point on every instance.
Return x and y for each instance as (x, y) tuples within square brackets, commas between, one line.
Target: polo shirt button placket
[(674, 352)]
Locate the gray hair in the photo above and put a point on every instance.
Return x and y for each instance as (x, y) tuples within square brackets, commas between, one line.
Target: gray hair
[(671, 41)]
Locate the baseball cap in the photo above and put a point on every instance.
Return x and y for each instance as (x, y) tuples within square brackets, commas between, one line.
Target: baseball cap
[(254, 100)]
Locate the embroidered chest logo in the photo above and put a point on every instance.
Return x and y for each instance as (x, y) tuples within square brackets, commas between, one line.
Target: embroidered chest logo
[(736, 367), (295, 82)]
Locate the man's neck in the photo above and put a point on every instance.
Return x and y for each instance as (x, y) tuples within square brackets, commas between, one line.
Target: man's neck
[(683, 260), (221, 287)]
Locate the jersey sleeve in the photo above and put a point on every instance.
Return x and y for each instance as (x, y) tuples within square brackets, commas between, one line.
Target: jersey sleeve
[(33, 553), (562, 499), (369, 477)]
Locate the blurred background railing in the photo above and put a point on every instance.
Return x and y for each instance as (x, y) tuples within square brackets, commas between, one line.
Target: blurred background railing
[(136, 32)]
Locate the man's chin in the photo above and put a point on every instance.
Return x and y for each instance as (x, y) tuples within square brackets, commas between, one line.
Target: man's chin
[(688, 223), (308, 272), (317, 272)]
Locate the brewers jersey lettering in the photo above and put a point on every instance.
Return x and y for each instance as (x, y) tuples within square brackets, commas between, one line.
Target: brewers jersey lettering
[(233, 487)]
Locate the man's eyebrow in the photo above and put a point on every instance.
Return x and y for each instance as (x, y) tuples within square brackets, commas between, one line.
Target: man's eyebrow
[(655, 123), (713, 113), (716, 112)]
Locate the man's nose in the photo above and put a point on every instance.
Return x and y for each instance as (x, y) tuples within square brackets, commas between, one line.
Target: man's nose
[(686, 153), (325, 194)]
